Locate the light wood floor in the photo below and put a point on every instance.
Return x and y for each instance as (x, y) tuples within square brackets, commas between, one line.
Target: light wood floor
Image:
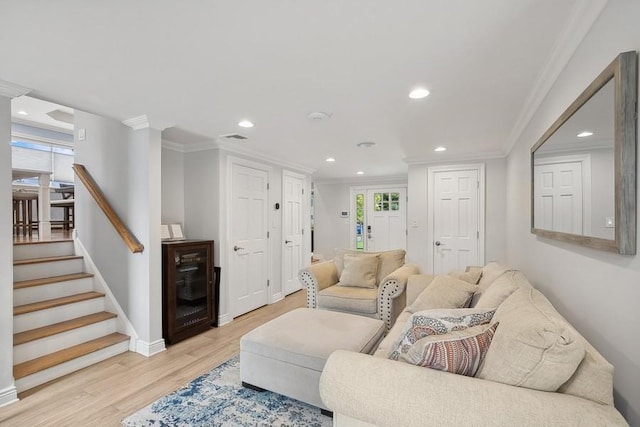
[(106, 393), (56, 234)]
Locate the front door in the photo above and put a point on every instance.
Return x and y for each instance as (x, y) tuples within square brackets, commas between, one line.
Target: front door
[(385, 225), (292, 204), (249, 242), (455, 220)]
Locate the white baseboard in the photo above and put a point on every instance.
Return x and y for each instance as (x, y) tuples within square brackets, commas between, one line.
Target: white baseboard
[(278, 296), (8, 395), (223, 319), (148, 349)]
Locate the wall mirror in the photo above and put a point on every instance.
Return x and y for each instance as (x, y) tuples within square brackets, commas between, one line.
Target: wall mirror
[(583, 169)]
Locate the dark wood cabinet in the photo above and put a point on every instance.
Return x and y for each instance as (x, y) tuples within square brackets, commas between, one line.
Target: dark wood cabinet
[(189, 296)]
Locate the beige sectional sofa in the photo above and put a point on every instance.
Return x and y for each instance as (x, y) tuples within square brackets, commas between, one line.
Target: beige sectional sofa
[(537, 371)]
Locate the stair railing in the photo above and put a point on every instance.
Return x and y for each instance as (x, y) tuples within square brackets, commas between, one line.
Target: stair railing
[(129, 239)]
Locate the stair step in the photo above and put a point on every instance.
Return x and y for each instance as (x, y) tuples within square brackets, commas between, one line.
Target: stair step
[(40, 242), (43, 249), (48, 280), (46, 259), (43, 305), (41, 363), (46, 331)]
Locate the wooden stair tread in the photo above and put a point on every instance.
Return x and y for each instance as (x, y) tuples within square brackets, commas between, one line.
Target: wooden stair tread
[(29, 367), (49, 280), (57, 328), (40, 242), (43, 305), (46, 259)]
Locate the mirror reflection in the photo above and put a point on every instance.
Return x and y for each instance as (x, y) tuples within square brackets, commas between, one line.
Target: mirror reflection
[(574, 172)]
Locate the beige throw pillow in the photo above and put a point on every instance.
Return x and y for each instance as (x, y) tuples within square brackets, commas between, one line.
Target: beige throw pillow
[(472, 277), (390, 261), (444, 292), (459, 352), (359, 270)]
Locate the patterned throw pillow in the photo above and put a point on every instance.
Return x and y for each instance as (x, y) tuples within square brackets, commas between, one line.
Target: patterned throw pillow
[(460, 352), (438, 322)]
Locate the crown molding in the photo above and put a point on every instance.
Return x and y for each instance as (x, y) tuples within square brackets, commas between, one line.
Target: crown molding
[(231, 147), (12, 90), (369, 180), (583, 16), (173, 146), (467, 157), (144, 122), (137, 123)]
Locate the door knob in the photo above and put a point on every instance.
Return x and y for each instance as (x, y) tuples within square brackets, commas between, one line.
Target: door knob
[(437, 243), (237, 248), (287, 241)]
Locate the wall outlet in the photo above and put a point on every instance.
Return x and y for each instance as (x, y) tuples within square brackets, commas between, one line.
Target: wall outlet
[(609, 222)]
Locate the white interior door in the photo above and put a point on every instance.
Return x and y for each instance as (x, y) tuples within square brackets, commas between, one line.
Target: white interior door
[(455, 217), (292, 201), (558, 197), (386, 219), (249, 242)]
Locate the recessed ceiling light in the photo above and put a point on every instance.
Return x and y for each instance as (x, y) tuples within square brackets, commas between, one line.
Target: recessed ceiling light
[(245, 124), (366, 144), (318, 116), (419, 93), (330, 159), (24, 113), (440, 148), (360, 173), (584, 134)]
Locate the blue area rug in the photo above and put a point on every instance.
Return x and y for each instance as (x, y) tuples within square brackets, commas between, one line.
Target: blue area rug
[(217, 398)]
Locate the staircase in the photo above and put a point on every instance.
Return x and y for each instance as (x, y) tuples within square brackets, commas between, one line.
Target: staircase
[(59, 321)]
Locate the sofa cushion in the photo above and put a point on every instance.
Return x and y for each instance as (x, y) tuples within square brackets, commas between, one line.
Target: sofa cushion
[(490, 273), (437, 322), (390, 261), (359, 270), (472, 277), (501, 288), (444, 292), (532, 348), (349, 299), (459, 352)]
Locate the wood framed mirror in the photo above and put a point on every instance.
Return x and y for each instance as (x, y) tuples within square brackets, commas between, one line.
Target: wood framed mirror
[(583, 169)]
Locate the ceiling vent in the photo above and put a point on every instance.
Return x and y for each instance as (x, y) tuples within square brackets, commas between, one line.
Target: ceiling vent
[(236, 136)]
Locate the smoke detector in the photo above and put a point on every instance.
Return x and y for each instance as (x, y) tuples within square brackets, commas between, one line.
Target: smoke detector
[(318, 116)]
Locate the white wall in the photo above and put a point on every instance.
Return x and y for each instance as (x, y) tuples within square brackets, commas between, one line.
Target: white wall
[(126, 164), (7, 388), (330, 231), (172, 186), (598, 292), (495, 213)]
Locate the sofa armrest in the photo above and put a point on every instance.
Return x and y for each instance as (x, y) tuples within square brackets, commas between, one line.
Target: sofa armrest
[(388, 393), (317, 277), (416, 284), (390, 292)]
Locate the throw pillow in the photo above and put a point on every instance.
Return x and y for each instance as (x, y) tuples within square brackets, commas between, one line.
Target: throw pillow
[(437, 322), (390, 261), (444, 292), (359, 270), (501, 288), (472, 277), (460, 352)]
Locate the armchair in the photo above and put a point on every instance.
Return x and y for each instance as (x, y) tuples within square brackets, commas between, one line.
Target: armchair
[(382, 300)]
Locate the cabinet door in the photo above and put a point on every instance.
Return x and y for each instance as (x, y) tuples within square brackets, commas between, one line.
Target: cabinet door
[(191, 287)]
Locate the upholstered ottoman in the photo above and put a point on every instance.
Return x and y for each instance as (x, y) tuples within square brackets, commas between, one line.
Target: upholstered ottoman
[(287, 354)]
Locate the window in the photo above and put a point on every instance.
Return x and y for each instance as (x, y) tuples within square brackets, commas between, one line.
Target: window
[(39, 155), (386, 202), (359, 222)]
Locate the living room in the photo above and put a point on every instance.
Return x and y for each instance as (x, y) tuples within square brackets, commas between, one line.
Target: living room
[(595, 290)]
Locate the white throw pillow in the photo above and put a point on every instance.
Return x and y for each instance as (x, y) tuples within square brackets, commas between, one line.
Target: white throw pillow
[(359, 270)]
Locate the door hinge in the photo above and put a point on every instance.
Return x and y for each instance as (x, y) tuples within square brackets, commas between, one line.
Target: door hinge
[(267, 185), (478, 184), (303, 191), (477, 234), (303, 231), (268, 234), (268, 283)]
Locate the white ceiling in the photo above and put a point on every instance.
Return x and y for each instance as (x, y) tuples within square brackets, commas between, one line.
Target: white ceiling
[(202, 66), (37, 113)]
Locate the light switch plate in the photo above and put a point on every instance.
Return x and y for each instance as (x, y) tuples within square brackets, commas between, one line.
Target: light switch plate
[(609, 222), (82, 134)]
